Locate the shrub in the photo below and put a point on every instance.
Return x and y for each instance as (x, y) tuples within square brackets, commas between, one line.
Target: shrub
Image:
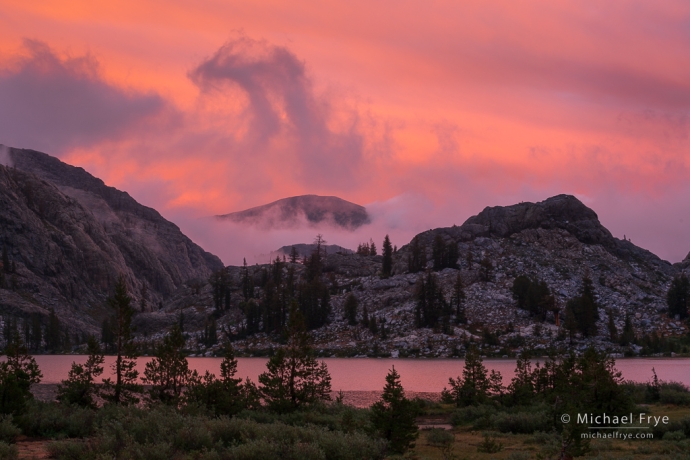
[(52, 420), (163, 432), (518, 456), (8, 451), (675, 397), (471, 413), (8, 432), (674, 436), (67, 450), (521, 422), (439, 437), (490, 445)]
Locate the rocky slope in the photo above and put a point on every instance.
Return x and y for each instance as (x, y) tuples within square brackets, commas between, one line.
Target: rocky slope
[(294, 211), (558, 240), (69, 236)]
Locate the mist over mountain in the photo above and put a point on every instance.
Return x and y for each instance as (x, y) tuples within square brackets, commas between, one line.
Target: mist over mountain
[(296, 211)]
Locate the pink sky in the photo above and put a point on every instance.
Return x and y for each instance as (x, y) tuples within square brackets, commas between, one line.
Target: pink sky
[(428, 111)]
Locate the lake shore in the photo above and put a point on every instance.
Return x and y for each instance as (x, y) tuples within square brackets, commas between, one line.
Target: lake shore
[(47, 392)]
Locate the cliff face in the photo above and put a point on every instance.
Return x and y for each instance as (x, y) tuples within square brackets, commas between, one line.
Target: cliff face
[(70, 236)]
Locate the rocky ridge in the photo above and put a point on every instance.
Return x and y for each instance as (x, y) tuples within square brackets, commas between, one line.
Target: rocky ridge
[(69, 236), (558, 240)]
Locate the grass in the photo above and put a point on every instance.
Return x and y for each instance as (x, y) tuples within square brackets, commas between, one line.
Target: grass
[(468, 442)]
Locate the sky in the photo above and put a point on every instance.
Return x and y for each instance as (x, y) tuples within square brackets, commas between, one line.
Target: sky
[(425, 112)]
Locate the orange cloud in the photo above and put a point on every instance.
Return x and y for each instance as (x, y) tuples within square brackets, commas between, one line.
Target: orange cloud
[(219, 106)]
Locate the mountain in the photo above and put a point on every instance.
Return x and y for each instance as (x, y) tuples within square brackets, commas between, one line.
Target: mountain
[(68, 237), (294, 211), (559, 241)]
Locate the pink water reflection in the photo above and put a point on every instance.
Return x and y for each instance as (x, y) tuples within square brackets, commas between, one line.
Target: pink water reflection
[(367, 374)]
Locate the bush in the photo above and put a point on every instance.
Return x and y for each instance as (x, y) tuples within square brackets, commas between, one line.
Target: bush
[(67, 450), (8, 432), (490, 445), (163, 432), (675, 397), (470, 414), (52, 420), (439, 437), (8, 451), (682, 425), (521, 422), (674, 436)]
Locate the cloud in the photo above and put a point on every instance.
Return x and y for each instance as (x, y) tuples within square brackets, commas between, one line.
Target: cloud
[(285, 118), (54, 103)]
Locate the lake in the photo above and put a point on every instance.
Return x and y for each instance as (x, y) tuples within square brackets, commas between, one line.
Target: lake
[(368, 374)]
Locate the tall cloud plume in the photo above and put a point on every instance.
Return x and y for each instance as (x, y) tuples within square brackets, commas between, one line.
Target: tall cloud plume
[(285, 117)]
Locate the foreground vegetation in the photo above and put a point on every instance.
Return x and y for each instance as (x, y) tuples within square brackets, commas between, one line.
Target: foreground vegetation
[(289, 413)]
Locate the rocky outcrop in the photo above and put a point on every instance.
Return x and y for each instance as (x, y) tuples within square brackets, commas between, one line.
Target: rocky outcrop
[(685, 264), (68, 237), (294, 211), (559, 241)]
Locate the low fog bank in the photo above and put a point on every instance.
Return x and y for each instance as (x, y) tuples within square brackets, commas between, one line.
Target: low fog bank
[(639, 217), (401, 218)]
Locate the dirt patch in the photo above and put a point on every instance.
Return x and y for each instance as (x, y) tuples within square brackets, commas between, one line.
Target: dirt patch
[(32, 448)]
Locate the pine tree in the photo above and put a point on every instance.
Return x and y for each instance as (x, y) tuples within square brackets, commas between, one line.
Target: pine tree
[(17, 373), (125, 389), (430, 301), (373, 327), (247, 282), (474, 386), (168, 372), (416, 260), (351, 304), (570, 324), (611, 326), (678, 297), (365, 316), (293, 255), (393, 416), (225, 395), (457, 301), (628, 334), (107, 336), (80, 387), (438, 249), (53, 339), (294, 378), (452, 255), (372, 248), (521, 387), (387, 266), (585, 309), (36, 332), (486, 270)]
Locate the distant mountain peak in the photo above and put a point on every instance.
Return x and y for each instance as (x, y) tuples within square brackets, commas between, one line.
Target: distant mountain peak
[(312, 210)]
